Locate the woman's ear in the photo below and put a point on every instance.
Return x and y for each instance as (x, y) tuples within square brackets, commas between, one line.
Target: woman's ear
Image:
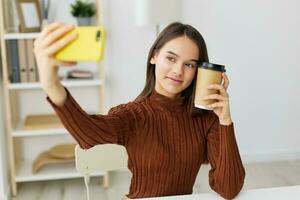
[(153, 59)]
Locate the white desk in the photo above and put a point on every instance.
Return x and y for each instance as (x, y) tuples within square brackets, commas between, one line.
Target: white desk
[(275, 193)]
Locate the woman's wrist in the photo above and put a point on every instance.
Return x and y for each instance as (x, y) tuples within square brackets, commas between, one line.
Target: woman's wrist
[(49, 85), (226, 122)]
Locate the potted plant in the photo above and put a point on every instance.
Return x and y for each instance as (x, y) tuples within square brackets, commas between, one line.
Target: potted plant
[(83, 11)]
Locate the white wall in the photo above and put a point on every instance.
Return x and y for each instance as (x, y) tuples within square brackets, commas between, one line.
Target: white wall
[(258, 42)]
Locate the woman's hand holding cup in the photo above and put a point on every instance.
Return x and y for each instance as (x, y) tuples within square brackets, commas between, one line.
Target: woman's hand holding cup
[(221, 106), (211, 91)]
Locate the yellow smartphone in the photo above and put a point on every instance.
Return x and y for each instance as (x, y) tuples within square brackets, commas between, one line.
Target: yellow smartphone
[(88, 46)]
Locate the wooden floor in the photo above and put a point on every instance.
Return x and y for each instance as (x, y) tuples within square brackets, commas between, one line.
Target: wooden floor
[(258, 175)]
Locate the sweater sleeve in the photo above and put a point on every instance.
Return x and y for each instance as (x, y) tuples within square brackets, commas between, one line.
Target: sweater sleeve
[(227, 172), (88, 130)]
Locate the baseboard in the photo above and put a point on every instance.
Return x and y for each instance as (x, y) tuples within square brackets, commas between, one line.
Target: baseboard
[(274, 155)]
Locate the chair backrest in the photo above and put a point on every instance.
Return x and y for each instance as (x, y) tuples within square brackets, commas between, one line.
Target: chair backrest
[(104, 157)]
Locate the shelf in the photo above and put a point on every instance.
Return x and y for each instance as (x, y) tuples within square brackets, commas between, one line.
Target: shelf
[(20, 131), (67, 83), (43, 132), (50, 172), (14, 36)]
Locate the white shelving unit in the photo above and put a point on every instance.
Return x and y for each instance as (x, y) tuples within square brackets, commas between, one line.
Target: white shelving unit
[(21, 170)]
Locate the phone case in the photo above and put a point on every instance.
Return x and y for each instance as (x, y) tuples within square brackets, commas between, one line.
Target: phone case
[(88, 46)]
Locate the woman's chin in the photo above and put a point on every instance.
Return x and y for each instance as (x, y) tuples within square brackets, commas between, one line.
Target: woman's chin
[(174, 91)]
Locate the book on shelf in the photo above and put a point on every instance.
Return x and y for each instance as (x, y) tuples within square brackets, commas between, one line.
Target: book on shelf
[(31, 73), (21, 61), (13, 61)]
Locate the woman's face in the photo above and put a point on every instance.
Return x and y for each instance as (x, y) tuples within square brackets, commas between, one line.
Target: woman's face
[(175, 66)]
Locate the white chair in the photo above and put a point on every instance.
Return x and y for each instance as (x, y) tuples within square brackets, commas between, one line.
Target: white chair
[(100, 158)]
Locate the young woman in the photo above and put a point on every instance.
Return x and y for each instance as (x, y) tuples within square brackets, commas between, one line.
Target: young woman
[(166, 138)]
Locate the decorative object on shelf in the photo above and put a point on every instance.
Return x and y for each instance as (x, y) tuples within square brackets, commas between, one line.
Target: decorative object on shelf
[(30, 15), (45, 121), (59, 154), (79, 74), (45, 8), (156, 12), (64, 151), (83, 11), (13, 61)]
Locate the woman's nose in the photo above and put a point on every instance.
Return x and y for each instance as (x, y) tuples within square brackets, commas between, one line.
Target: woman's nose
[(178, 69)]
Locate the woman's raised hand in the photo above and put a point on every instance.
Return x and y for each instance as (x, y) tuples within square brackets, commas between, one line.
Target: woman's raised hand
[(46, 45)]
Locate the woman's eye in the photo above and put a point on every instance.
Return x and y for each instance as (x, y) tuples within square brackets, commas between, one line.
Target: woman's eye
[(190, 65), (171, 59)]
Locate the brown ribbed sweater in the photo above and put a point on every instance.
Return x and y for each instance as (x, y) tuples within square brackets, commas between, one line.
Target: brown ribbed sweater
[(165, 145)]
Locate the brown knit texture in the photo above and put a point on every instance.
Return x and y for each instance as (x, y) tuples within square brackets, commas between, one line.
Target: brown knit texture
[(165, 145)]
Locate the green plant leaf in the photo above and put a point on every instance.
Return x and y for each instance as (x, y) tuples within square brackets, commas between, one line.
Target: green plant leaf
[(83, 9)]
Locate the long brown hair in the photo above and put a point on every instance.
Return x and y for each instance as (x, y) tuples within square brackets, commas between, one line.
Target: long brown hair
[(171, 32)]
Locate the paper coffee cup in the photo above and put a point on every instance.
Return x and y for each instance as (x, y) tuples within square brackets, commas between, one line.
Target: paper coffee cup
[(208, 73)]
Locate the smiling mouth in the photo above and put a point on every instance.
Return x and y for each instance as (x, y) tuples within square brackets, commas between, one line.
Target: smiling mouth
[(175, 80)]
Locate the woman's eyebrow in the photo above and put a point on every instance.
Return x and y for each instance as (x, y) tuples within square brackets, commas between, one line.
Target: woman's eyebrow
[(170, 52)]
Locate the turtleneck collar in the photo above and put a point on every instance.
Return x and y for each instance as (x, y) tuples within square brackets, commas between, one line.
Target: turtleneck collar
[(166, 103)]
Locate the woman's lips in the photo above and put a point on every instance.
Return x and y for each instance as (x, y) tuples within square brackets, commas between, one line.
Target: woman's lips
[(175, 80)]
